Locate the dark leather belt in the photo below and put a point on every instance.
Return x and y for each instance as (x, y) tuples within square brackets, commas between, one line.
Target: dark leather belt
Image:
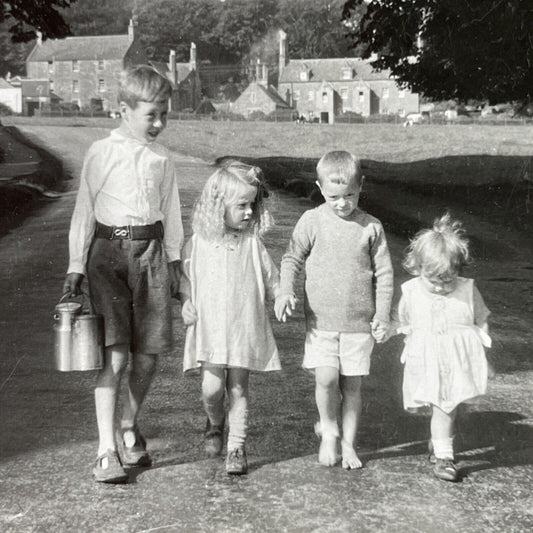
[(134, 233)]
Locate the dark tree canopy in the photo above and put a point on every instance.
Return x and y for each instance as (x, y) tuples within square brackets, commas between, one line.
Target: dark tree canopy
[(450, 49), (27, 16)]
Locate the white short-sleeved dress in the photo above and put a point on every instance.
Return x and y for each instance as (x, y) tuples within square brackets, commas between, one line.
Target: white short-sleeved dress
[(444, 358), (229, 283)]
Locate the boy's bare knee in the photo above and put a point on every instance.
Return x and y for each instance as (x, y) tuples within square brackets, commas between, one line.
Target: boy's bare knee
[(143, 365), (327, 378), (350, 384)]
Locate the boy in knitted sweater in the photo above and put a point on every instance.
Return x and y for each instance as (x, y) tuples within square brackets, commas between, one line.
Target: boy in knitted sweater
[(348, 293)]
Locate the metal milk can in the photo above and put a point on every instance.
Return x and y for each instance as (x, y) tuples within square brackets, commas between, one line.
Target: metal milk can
[(78, 338)]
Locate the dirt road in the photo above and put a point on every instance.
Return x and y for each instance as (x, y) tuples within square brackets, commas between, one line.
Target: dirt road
[(48, 437)]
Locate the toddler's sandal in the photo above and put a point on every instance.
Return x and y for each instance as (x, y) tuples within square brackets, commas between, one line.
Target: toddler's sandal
[(135, 455), (108, 468)]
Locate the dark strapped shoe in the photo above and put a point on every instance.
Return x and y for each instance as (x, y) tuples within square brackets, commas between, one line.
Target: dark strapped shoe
[(135, 455), (108, 468), (213, 439), (445, 469), (236, 462)]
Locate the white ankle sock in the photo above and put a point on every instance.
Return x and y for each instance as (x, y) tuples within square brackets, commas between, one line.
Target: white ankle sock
[(443, 448)]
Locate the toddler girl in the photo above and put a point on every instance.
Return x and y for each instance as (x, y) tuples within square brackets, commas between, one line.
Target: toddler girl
[(445, 321), (228, 275)]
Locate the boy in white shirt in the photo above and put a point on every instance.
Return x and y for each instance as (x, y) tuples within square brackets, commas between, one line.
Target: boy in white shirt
[(348, 292), (126, 236)]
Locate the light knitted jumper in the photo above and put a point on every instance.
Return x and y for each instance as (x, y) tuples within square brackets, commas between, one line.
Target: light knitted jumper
[(349, 278)]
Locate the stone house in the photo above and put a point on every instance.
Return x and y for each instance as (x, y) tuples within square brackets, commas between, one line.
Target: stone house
[(326, 88), (185, 79), (84, 71), (10, 96), (259, 96)]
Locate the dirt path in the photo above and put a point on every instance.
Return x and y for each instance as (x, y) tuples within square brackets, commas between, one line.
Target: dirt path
[(47, 442)]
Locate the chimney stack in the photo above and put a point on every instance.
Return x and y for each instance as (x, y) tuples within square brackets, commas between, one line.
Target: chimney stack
[(131, 29), (193, 61), (172, 67), (39, 37), (282, 51)]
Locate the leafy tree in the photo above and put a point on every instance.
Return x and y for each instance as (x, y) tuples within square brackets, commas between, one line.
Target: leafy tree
[(26, 16), (450, 49), (113, 16)]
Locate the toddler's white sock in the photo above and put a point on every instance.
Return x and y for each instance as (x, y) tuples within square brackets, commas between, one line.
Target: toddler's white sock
[(238, 424), (443, 448)]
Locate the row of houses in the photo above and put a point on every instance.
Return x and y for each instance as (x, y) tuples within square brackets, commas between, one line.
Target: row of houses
[(83, 72)]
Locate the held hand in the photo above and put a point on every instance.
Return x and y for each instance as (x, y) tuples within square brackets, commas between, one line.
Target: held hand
[(174, 275), (284, 306), (72, 284), (188, 313), (380, 331)]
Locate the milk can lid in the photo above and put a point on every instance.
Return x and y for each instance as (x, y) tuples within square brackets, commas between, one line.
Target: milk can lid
[(68, 307)]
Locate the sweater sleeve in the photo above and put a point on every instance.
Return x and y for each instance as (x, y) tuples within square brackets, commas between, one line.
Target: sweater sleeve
[(383, 275), (481, 312), (270, 273), (297, 251)]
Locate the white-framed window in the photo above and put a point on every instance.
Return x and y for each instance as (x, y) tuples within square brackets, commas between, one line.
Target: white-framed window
[(304, 75), (252, 97), (101, 64), (344, 93), (75, 65), (75, 86), (311, 96), (401, 93), (385, 93), (296, 94), (347, 73), (50, 67), (101, 86), (51, 82), (324, 97), (361, 96)]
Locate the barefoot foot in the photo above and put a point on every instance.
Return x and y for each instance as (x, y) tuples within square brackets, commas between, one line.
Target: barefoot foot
[(350, 460), (327, 453)]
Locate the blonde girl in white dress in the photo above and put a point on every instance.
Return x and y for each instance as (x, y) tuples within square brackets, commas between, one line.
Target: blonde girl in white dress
[(227, 277), (445, 321)]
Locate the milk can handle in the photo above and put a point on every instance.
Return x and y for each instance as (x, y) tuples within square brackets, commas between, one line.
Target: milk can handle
[(85, 295)]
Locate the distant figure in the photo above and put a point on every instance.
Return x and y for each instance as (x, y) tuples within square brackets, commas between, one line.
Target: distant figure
[(126, 237), (227, 277), (444, 319), (348, 293)]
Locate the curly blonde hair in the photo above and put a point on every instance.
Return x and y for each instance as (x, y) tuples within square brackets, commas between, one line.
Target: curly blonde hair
[(441, 251), (223, 186)]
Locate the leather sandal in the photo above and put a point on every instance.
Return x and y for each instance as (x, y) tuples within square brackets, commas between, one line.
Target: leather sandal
[(108, 468), (135, 455)]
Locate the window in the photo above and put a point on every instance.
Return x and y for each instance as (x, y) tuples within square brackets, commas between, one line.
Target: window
[(296, 94), (51, 82), (100, 64), (344, 93), (324, 97), (361, 96), (101, 86), (75, 86), (75, 66), (304, 75), (50, 67), (401, 93), (311, 96), (385, 93), (252, 97), (347, 73)]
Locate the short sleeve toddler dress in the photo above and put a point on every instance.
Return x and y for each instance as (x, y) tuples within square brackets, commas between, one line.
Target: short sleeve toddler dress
[(229, 283), (444, 354)]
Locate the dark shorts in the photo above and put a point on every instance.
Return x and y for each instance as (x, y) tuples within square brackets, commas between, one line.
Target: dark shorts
[(129, 285)]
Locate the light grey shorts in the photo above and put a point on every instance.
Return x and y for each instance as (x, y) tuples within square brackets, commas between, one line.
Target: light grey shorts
[(349, 353)]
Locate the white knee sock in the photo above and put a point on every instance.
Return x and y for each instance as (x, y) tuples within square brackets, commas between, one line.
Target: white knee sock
[(238, 424), (443, 448)]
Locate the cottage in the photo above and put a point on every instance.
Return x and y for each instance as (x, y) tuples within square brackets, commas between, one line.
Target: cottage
[(259, 96), (84, 71), (10, 96), (326, 88), (185, 79)]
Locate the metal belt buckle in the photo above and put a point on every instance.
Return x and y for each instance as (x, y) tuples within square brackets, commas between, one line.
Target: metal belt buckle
[(123, 232)]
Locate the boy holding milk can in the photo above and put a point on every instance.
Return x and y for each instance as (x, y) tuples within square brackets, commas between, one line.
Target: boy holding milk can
[(125, 236)]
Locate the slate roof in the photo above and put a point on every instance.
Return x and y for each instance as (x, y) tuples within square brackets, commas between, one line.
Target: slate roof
[(82, 48), (331, 70), (182, 69), (273, 95), (5, 84), (31, 88)]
